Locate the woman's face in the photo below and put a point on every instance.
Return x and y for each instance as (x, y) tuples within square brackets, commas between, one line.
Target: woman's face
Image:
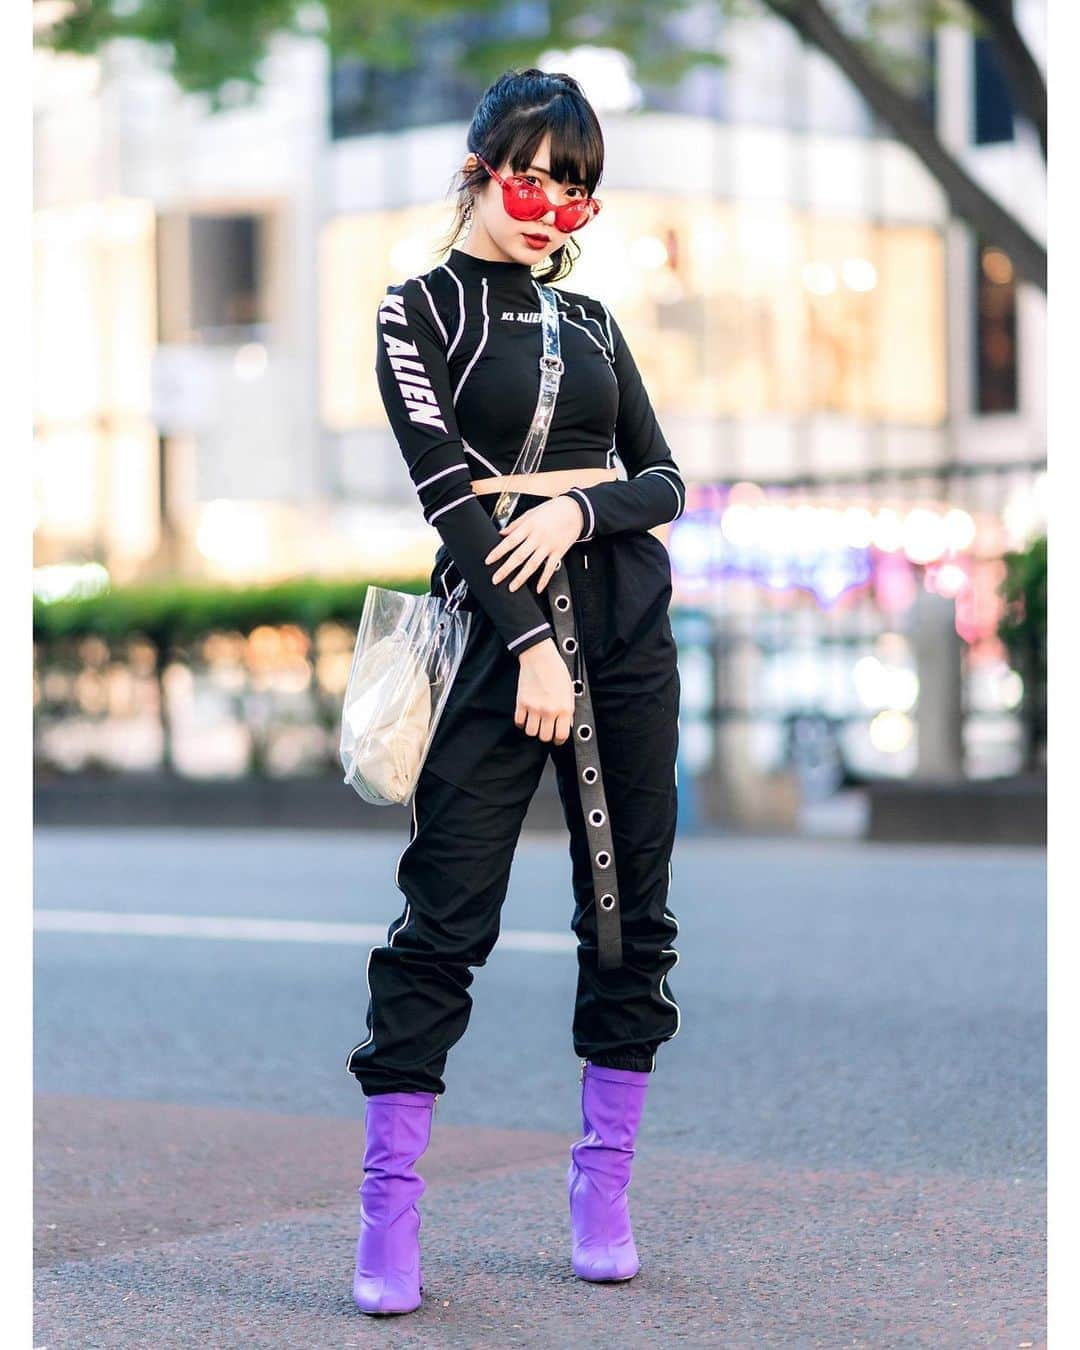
[(492, 225)]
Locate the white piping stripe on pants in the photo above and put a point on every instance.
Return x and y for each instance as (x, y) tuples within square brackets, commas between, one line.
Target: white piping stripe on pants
[(671, 951), (390, 942)]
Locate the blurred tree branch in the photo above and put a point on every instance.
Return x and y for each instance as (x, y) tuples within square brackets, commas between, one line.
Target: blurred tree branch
[(216, 48), (967, 198)]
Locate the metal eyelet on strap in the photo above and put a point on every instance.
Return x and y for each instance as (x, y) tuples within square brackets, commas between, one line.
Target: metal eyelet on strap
[(596, 817), (589, 774), (603, 858), (558, 564), (585, 732), (607, 901), (562, 602), (579, 688), (569, 644)]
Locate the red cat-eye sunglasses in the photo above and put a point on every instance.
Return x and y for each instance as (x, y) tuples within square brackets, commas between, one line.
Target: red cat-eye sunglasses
[(528, 201)]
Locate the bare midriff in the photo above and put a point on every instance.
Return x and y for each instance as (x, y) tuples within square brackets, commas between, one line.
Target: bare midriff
[(544, 483)]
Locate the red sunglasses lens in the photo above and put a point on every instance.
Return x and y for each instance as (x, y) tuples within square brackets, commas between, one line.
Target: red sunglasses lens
[(573, 215), (526, 201)]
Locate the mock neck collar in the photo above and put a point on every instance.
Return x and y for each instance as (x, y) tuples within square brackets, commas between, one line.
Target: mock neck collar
[(468, 265)]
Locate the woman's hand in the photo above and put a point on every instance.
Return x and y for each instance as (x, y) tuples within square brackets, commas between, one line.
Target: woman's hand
[(538, 536), (545, 694)]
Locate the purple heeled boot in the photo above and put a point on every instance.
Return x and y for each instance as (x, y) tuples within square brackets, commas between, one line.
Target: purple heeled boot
[(388, 1278), (599, 1173)]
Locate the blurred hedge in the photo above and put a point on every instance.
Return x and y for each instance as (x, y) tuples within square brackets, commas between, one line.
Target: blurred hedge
[(171, 615), (1024, 631)]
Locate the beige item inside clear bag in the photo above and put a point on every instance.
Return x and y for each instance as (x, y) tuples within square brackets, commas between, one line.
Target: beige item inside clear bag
[(408, 649), (390, 716)]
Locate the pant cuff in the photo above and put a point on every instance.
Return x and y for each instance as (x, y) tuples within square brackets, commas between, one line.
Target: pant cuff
[(622, 1059)]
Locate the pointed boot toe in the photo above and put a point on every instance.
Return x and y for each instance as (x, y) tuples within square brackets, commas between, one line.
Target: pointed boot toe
[(603, 1241), (606, 1265), (387, 1274)]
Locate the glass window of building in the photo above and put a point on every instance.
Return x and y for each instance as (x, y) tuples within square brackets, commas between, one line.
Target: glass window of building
[(214, 277), (992, 112), (995, 331), (434, 87), (227, 291)]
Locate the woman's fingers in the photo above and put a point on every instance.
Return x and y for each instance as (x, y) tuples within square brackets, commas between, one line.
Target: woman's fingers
[(548, 572), (511, 564), (527, 570), (512, 534), (554, 727)]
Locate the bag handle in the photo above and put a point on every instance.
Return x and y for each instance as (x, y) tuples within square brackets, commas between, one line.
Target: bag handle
[(532, 449)]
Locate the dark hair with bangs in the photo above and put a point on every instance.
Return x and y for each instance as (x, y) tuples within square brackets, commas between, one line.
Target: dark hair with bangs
[(509, 123)]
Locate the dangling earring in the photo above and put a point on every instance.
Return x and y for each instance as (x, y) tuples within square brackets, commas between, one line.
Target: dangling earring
[(468, 214)]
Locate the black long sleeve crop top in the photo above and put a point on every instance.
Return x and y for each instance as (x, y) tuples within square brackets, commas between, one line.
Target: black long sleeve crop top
[(457, 362)]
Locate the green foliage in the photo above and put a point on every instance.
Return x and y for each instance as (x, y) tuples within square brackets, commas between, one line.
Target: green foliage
[(170, 616), (1023, 630), (216, 47), (210, 46)]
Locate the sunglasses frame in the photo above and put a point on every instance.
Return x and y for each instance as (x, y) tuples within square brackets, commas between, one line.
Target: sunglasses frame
[(509, 188)]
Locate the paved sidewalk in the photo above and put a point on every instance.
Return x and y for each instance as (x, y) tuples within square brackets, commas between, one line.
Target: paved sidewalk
[(844, 1145), (174, 1229)]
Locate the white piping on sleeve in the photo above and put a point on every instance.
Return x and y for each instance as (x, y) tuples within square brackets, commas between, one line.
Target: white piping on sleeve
[(590, 519), (469, 497), (442, 474), (680, 500), (538, 629)]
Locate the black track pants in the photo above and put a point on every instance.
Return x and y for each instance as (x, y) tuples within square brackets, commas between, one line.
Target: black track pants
[(474, 790)]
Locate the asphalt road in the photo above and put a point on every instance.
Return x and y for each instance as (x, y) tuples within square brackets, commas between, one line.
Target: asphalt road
[(843, 1146)]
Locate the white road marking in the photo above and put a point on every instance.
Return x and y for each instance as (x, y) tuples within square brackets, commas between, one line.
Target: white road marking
[(111, 923)]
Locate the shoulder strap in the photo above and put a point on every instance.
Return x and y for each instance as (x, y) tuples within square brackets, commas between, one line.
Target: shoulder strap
[(551, 369), (531, 452)]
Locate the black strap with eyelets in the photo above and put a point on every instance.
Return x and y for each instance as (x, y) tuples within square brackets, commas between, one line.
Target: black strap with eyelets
[(590, 776)]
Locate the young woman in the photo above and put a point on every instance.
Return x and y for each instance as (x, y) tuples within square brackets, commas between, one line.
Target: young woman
[(458, 365)]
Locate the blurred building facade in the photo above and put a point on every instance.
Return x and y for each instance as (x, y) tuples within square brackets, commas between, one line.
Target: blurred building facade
[(853, 384)]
